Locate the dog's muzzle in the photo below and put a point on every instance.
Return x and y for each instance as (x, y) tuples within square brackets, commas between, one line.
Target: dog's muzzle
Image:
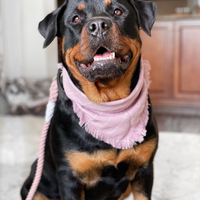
[(103, 59)]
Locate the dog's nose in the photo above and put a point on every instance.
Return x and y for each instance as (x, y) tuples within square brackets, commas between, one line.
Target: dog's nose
[(99, 26)]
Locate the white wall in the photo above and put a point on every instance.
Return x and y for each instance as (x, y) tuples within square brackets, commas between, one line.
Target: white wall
[(22, 43), (1, 44), (1, 53), (192, 4)]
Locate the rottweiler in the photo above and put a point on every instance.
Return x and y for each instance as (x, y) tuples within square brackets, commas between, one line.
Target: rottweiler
[(101, 51)]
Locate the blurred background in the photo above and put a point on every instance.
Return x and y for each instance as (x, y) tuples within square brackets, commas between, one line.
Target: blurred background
[(26, 71)]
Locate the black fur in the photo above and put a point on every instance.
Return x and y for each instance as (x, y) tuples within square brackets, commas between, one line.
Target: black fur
[(65, 134)]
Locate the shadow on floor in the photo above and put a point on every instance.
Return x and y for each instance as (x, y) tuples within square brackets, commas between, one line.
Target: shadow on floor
[(3, 105)]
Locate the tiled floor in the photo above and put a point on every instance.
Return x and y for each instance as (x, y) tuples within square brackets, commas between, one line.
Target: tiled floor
[(177, 163)]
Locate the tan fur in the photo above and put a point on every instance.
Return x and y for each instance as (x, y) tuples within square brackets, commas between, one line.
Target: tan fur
[(63, 46), (108, 2), (82, 162), (81, 7), (88, 167), (138, 192), (39, 196), (127, 193), (116, 89), (137, 156), (139, 196), (143, 152)]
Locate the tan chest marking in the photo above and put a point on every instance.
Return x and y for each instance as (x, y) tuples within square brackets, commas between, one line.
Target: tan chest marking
[(137, 156), (88, 167)]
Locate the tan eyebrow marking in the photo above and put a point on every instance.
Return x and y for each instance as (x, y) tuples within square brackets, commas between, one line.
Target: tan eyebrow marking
[(108, 2), (81, 6)]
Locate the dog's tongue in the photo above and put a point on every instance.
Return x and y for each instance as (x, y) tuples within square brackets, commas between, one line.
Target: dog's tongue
[(104, 56)]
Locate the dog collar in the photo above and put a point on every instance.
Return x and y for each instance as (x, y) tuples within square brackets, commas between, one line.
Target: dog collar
[(121, 123)]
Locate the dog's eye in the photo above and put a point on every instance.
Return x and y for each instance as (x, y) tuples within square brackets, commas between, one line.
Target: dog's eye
[(76, 19), (118, 12)]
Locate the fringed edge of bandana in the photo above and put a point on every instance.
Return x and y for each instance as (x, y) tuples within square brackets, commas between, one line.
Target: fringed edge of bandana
[(139, 130)]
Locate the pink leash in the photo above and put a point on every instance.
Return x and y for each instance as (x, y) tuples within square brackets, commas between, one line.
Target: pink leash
[(40, 162)]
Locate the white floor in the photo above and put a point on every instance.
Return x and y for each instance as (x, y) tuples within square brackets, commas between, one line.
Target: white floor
[(177, 163)]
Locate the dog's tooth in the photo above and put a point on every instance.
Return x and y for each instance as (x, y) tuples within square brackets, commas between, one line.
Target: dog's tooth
[(113, 55)]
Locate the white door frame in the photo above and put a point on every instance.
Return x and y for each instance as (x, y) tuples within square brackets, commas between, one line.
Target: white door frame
[(22, 43)]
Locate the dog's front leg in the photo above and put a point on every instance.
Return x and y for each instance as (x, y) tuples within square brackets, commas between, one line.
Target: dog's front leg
[(70, 188), (143, 182)]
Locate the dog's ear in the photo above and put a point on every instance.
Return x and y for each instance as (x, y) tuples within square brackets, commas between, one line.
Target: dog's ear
[(146, 14), (48, 27)]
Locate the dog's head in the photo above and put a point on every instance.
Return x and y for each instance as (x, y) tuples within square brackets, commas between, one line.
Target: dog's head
[(100, 42)]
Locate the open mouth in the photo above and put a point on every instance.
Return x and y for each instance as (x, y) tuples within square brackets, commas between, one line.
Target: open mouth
[(105, 64)]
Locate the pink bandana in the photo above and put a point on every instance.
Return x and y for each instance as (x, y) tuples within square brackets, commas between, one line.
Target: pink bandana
[(120, 123)]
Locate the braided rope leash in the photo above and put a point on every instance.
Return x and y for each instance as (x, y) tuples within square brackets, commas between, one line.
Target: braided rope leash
[(40, 163)]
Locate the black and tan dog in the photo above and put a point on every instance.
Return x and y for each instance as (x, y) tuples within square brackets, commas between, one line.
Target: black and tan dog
[(77, 165)]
